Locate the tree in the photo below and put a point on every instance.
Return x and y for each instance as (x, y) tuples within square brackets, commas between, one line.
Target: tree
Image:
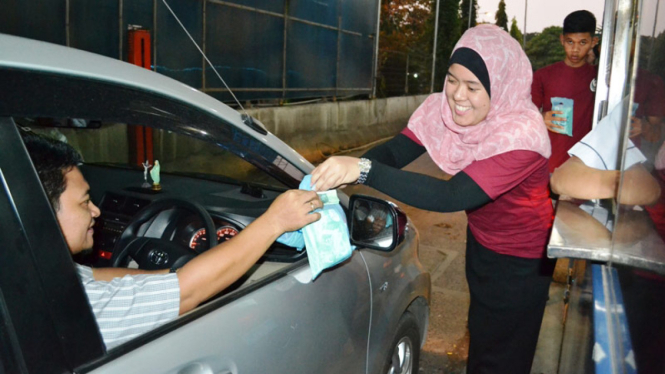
[(403, 22), (545, 48), (404, 45), (501, 17), (515, 31), (464, 14), (657, 56)]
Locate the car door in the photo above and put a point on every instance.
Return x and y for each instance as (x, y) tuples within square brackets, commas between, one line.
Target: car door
[(285, 324), (46, 323)]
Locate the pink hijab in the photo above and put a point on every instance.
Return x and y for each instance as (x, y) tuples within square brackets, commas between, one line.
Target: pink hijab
[(513, 121)]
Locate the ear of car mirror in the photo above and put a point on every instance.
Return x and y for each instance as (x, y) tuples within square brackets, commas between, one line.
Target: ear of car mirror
[(375, 223)]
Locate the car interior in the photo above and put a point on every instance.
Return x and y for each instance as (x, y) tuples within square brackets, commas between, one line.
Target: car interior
[(203, 189)]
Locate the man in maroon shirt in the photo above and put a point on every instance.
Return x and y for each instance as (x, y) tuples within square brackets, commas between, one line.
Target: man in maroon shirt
[(572, 79)]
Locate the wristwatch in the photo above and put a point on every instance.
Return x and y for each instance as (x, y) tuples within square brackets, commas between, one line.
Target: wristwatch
[(364, 165)]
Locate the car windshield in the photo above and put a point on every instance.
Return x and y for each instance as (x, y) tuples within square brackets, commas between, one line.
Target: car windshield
[(124, 146)]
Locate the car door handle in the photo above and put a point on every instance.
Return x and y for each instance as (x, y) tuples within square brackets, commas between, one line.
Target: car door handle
[(202, 368)]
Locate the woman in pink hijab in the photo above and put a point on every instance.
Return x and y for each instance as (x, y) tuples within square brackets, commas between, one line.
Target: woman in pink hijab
[(486, 133)]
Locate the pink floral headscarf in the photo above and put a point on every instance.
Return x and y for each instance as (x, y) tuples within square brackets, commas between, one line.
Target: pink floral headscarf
[(513, 121)]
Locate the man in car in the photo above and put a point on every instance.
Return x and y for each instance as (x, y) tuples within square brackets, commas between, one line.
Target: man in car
[(129, 302)]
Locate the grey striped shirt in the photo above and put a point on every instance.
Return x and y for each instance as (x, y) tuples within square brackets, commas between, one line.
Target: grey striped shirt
[(132, 305)]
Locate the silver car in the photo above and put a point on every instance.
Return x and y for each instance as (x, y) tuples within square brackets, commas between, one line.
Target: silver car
[(220, 170)]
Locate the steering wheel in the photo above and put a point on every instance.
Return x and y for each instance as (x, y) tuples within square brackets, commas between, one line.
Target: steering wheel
[(157, 253)]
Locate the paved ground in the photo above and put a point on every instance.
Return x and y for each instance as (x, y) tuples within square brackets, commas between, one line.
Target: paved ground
[(442, 247)]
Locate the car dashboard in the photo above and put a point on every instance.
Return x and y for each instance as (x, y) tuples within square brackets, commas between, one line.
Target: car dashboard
[(120, 197)]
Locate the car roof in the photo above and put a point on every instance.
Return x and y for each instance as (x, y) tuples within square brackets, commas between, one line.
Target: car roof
[(34, 55)]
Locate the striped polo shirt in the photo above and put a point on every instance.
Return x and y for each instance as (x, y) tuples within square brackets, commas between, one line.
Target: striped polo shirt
[(132, 305)]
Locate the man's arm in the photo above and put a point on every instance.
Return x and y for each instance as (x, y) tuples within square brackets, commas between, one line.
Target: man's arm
[(577, 180), (107, 274), (212, 271)]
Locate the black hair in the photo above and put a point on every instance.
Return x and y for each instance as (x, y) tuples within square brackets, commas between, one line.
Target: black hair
[(471, 60), (579, 21), (52, 159)]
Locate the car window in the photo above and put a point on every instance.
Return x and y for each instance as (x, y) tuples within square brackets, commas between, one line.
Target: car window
[(47, 99), (114, 144), (10, 359)]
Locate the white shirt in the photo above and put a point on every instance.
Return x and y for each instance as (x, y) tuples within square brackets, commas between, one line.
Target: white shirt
[(599, 149), (132, 305)]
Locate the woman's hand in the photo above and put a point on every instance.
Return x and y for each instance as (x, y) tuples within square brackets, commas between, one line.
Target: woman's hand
[(335, 172)]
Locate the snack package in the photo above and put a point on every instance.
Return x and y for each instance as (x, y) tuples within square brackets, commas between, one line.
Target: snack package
[(327, 240), (566, 107), (293, 239)]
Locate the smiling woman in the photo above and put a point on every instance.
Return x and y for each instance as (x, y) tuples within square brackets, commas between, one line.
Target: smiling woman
[(467, 91), (485, 132)]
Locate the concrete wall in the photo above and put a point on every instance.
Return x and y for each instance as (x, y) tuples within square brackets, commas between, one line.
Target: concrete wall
[(318, 130)]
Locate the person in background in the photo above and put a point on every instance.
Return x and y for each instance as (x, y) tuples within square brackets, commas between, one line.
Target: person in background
[(574, 79), (485, 132), (129, 302)]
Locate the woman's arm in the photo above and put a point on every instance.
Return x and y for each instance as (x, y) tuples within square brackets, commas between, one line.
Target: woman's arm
[(338, 171), (396, 152), (425, 192)]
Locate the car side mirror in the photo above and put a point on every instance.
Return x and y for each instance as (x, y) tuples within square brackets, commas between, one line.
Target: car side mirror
[(375, 223)]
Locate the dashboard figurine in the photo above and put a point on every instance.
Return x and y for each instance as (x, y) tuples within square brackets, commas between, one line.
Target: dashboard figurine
[(146, 166), (154, 173)]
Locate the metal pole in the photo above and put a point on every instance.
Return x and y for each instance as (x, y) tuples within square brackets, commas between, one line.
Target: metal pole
[(653, 35), (406, 82), (524, 35), (67, 32), (339, 48), (376, 48), (436, 32), (470, 7), (120, 22), (284, 54), (204, 30), (154, 35)]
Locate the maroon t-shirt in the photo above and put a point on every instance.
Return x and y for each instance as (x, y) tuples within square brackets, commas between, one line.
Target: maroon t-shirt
[(649, 94), (578, 84), (518, 220)]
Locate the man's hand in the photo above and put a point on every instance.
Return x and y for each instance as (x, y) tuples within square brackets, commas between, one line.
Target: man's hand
[(552, 115), (636, 127), (651, 131), (217, 268), (291, 210)]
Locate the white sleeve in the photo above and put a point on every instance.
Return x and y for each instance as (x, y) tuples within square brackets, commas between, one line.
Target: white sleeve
[(599, 148)]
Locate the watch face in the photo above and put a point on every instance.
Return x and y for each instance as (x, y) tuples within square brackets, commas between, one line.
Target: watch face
[(364, 165)]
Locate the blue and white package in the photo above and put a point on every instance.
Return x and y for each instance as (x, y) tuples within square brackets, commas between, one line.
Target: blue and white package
[(327, 239), (293, 239), (566, 107)]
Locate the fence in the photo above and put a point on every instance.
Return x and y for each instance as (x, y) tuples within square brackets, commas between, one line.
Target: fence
[(264, 49)]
